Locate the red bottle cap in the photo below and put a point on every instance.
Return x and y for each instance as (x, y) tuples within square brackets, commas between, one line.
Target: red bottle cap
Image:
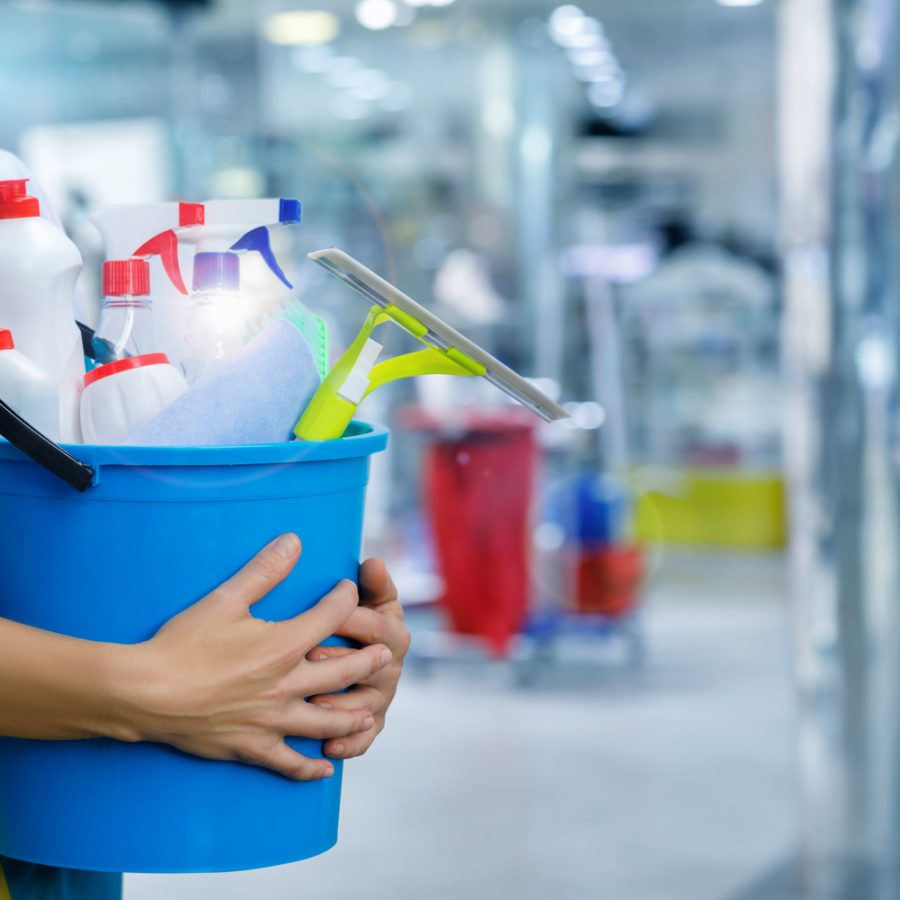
[(6, 340), (126, 278), (15, 203), (123, 365)]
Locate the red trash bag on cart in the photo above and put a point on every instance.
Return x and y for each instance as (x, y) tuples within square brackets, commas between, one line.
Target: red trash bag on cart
[(479, 492)]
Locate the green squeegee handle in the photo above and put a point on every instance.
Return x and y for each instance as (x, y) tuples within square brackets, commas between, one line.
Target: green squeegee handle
[(44, 451)]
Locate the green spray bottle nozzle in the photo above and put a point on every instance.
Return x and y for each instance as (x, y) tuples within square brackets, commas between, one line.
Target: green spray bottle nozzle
[(258, 239)]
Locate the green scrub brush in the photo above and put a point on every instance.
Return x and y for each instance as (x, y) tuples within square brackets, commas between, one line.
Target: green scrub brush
[(313, 327)]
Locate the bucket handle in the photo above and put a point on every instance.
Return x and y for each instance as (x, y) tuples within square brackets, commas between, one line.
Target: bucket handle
[(43, 451)]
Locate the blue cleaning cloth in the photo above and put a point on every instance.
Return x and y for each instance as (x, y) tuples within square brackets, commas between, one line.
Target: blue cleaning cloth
[(254, 398)]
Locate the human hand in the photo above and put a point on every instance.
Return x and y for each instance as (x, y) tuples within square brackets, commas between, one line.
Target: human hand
[(377, 621), (217, 682)]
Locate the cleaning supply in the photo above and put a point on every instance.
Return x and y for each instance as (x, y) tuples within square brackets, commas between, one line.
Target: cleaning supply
[(356, 374), (148, 230), (313, 327), (38, 269), (126, 325), (27, 390), (243, 226), (252, 398), (151, 231), (124, 395), (159, 528), (216, 326), (225, 309)]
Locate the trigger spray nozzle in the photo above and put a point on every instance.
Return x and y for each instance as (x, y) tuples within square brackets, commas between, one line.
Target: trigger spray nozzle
[(259, 240), (165, 246)]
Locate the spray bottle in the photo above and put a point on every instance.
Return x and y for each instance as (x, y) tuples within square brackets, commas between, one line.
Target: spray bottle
[(151, 231), (224, 310)]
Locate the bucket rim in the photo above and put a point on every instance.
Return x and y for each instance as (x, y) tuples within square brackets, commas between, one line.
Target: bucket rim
[(361, 439)]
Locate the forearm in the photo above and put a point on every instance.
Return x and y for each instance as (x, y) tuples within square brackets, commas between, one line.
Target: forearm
[(54, 687)]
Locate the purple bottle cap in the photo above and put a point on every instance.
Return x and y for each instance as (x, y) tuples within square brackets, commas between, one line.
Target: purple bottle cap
[(217, 271)]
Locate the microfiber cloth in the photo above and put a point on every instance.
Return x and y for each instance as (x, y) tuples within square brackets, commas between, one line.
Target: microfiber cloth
[(254, 398)]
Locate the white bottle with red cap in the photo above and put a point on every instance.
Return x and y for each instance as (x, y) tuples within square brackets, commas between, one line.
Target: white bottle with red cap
[(38, 269), (123, 396), (26, 389), (126, 315)]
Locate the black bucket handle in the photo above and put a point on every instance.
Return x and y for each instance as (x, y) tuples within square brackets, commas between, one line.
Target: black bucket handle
[(43, 451)]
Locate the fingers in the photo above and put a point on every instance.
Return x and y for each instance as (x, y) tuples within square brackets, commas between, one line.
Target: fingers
[(370, 627), (285, 761), (355, 745), (363, 699), (264, 572), (335, 674), (375, 584), (324, 619), (316, 721)]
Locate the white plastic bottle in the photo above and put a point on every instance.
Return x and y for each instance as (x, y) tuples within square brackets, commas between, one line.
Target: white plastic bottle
[(38, 269), (126, 324), (27, 390), (123, 396)]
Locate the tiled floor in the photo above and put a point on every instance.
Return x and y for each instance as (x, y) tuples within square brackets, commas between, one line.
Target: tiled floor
[(668, 783)]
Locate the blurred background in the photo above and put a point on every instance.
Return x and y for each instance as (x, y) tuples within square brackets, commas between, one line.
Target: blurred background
[(679, 217)]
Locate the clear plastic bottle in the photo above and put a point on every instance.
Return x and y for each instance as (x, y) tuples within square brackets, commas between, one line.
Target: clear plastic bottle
[(217, 324), (126, 324)]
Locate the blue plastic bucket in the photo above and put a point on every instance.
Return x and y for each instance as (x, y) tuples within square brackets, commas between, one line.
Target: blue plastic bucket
[(159, 529)]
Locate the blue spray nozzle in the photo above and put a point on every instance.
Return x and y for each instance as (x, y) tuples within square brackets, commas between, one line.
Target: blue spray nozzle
[(258, 239), (216, 271), (289, 211)]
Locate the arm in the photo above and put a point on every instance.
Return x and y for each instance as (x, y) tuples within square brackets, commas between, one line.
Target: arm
[(214, 681)]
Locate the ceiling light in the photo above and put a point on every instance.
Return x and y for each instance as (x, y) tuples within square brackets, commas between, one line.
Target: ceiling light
[(739, 2), (606, 93), (600, 53), (302, 26), (376, 15), (442, 2), (594, 74), (565, 20), (584, 40)]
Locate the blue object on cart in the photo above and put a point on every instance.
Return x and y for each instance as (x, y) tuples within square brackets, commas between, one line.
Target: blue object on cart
[(589, 508), (158, 529)]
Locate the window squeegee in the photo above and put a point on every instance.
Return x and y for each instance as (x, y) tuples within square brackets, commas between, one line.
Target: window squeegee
[(356, 374)]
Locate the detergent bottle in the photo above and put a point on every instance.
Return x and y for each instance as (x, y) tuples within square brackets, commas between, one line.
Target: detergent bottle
[(126, 324), (38, 269), (27, 390)]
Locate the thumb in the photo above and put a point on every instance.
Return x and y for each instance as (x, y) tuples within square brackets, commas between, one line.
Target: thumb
[(263, 573)]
